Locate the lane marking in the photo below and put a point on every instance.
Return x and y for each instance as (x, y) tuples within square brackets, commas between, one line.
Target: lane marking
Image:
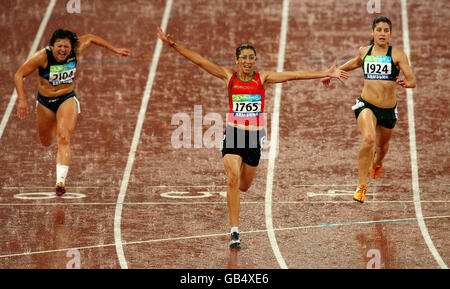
[(325, 225), (135, 142), (342, 185), (212, 203), (413, 149), (47, 195), (274, 137), (46, 188), (103, 187), (334, 193), (33, 49)]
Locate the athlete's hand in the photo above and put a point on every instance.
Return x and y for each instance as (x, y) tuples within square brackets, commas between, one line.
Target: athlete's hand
[(401, 82), (123, 51), (22, 108), (166, 38), (337, 73), (326, 81)]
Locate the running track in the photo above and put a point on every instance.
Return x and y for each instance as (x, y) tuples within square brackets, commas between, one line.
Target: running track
[(139, 202)]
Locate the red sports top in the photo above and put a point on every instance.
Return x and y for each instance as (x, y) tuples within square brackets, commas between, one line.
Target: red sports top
[(246, 100)]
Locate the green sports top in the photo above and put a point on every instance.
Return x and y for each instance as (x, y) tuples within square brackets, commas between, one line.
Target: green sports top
[(379, 67)]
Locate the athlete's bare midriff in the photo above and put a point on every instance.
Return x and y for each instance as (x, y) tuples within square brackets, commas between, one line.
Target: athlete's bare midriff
[(380, 93), (48, 90)]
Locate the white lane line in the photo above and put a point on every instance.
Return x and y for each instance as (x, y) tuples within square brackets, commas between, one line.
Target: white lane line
[(40, 203), (336, 185), (48, 188), (413, 150), (37, 40), (135, 142), (323, 225), (106, 187), (274, 139)]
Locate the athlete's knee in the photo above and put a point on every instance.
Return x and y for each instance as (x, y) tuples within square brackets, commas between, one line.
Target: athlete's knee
[(369, 140), (46, 141), (382, 148), (63, 139), (244, 188), (232, 179)]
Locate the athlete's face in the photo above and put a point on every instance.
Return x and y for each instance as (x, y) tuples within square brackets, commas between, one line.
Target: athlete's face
[(246, 61), (61, 49), (381, 33)]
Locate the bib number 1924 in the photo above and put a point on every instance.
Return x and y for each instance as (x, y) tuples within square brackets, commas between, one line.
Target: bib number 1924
[(377, 68)]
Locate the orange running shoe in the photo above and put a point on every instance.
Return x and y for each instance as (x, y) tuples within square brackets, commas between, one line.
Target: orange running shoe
[(360, 194), (375, 170), (60, 189)]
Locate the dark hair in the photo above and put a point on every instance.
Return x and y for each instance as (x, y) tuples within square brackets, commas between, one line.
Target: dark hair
[(378, 20), (242, 47), (63, 34)]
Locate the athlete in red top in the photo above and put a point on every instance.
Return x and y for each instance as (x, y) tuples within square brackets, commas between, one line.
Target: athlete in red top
[(246, 100), (245, 132)]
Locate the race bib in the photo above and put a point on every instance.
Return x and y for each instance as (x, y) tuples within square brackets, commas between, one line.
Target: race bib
[(64, 73), (378, 67), (246, 105)]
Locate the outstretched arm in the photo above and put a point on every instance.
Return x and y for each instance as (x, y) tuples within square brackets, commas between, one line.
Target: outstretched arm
[(276, 77), (88, 39), (221, 72), (352, 64)]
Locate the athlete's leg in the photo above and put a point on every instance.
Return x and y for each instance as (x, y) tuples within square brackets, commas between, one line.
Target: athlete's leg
[(382, 143), (367, 126), (233, 169), (247, 175), (46, 124), (66, 119)]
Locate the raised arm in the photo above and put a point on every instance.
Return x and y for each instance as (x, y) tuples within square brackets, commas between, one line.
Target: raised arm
[(37, 60), (409, 81), (221, 72), (276, 77), (88, 39)]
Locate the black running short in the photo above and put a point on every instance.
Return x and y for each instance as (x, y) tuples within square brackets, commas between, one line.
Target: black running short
[(246, 143), (386, 117), (53, 103)]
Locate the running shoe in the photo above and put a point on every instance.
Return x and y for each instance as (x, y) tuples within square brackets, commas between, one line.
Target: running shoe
[(60, 189), (360, 194), (375, 170), (235, 241)]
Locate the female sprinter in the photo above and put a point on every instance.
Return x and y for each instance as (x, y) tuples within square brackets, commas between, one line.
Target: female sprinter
[(57, 105), (244, 134), (376, 109)]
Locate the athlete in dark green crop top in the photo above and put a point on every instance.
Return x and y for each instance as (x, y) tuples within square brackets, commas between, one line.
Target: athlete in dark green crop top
[(376, 109)]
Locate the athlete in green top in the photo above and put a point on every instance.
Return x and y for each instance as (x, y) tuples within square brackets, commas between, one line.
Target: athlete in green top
[(376, 109)]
